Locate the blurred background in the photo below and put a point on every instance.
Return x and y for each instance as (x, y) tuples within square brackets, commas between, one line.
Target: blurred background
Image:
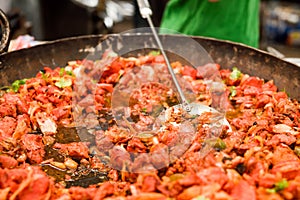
[(54, 19)]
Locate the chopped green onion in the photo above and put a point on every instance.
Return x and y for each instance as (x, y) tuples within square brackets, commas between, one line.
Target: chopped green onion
[(61, 71), (232, 91), (281, 185), (63, 83), (16, 84), (284, 90), (44, 75), (70, 73), (154, 53), (217, 143), (235, 74), (144, 110)]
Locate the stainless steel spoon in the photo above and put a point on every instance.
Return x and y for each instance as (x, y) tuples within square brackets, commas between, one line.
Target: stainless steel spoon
[(193, 108)]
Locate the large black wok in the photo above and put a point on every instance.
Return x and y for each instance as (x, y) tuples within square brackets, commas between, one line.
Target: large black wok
[(27, 62)]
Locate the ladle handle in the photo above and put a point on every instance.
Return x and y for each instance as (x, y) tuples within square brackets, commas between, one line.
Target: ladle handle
[(144, 8), (5, 27), (146, 12)]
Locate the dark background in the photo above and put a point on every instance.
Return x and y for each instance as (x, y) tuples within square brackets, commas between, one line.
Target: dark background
[(54, 19)]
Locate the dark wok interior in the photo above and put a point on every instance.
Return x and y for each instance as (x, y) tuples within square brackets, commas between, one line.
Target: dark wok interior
[(26, 63)]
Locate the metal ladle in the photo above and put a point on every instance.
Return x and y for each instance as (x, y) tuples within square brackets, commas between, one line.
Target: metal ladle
[(191, 108)]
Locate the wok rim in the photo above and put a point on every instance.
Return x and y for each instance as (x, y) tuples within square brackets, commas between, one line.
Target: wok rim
[(104, 36)]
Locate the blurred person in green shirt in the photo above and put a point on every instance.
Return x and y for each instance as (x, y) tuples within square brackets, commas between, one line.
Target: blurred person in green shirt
[(234, 20)]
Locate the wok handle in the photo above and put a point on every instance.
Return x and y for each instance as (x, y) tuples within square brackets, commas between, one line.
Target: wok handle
[(5, 27)]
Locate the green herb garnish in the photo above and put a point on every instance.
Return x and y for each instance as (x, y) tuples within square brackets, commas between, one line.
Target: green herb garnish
[(154, 53), (70, 73), (44, 75), (63, 83), (144, 110), (281, 185), (61, 72), (16, 84), (284, 90), (217, 143), (232, 91), (235, 74), (220, 145)]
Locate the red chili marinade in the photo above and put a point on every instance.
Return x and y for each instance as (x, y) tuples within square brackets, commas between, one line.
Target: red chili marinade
[(42, 154)]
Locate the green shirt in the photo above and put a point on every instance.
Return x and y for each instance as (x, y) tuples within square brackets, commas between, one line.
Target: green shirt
[(235, 20)]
